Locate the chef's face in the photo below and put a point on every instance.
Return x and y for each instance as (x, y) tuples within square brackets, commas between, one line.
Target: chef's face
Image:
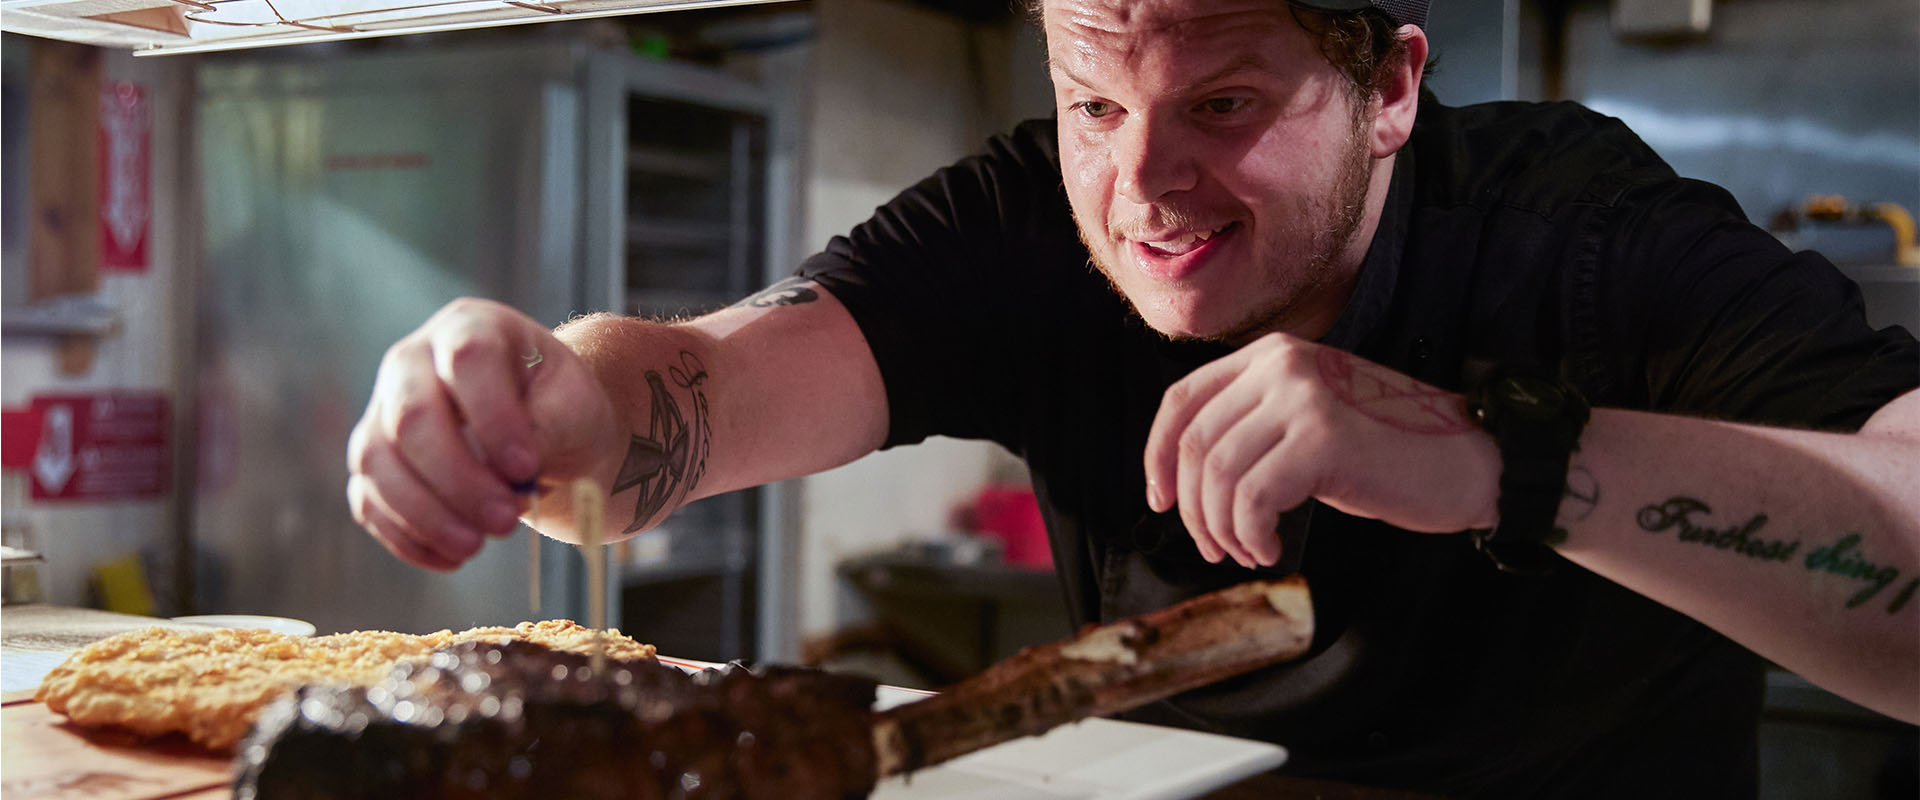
[(1218, 166)]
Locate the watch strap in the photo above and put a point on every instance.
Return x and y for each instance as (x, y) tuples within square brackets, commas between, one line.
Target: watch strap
[(1535, 420)]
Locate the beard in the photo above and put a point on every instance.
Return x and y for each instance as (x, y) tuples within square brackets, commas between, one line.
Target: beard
[(1326, 224)]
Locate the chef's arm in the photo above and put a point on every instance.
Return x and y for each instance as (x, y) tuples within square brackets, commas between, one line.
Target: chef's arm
[(482, 404), (1803, 546), (775, 387)]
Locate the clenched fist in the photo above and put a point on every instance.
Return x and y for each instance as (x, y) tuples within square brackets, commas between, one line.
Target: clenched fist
[(476, 403)]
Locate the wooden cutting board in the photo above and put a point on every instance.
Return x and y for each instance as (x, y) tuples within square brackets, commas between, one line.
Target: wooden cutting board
[(44, 757)]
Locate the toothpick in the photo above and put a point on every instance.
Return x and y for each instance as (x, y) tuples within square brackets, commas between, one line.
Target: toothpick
[(533, 558), (588, 508)]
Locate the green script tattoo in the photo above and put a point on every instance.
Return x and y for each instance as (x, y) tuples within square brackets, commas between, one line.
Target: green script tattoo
[(670, 459), (1843, 557), (788, 292)]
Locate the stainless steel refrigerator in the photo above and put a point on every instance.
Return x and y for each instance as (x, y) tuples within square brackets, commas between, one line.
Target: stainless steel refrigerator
[(349, 194)]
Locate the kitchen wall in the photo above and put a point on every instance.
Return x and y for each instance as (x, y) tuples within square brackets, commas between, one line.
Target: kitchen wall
[(1775, 100), (1778, 100)]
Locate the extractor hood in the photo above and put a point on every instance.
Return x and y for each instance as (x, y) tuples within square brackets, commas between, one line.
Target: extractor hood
[(151, 27)]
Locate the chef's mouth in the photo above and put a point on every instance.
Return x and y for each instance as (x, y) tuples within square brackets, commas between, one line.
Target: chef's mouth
[(1186, 242)]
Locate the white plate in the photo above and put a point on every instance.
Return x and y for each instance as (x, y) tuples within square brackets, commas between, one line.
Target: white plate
[(1095, 759), (292, 627)]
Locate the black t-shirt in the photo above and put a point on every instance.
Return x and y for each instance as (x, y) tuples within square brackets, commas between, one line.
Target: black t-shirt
[(1513, 233)]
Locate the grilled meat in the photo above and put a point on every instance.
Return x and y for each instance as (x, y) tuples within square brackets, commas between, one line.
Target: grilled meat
[(513, 720)]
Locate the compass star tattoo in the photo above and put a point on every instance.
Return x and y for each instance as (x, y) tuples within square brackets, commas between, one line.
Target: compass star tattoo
[(668, 462), (1390, 397)]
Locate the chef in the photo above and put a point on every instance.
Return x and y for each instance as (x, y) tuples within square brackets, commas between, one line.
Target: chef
[(1564, 445)]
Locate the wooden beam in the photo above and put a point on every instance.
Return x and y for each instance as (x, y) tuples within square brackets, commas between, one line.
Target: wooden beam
[(63, 150)]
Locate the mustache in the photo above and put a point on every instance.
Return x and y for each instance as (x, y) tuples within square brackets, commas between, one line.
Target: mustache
[(1164, 217)]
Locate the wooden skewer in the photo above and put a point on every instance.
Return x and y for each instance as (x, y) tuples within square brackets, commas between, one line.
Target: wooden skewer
[(533, 559), (588, 515)]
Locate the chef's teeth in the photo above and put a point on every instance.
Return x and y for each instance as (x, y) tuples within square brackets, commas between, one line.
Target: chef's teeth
[(1184, 240)]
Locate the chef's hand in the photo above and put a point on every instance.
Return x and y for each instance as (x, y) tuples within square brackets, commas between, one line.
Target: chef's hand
[(478, 399), (1281, 420)]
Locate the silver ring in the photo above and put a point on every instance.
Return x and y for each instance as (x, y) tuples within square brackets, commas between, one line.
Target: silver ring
[(533, 358)]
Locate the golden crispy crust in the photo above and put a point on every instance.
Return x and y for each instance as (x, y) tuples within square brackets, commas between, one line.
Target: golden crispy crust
[(211, 684)]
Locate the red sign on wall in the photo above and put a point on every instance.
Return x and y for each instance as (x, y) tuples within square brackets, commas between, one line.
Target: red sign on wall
[(105, 446), (126, 175)]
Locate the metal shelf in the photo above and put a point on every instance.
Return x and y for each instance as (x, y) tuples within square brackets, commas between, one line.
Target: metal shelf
[(678, 164), (61, 316), (678, 233)]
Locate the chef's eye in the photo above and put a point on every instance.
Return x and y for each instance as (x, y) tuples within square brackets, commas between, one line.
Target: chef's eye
[(1223, 105), (1093, 108)]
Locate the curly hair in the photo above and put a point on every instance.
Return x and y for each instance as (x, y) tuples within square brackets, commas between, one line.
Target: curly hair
[(1363, 45)]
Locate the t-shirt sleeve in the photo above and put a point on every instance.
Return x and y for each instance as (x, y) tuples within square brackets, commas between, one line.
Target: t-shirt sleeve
[(944, 279), (1736, 326)]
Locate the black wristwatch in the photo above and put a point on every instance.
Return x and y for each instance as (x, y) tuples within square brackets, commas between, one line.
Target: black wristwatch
[(1535, 418)]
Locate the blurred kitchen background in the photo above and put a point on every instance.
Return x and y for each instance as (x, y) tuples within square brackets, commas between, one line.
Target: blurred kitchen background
[(180, 376)]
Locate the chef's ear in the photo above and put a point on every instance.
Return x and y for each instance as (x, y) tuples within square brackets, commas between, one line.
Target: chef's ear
[(1397, 92)]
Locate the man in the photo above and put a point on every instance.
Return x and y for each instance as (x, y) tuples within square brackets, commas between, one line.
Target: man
[(1303, 276)]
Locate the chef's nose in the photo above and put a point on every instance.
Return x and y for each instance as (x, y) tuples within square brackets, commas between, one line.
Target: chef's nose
[(1151, 159)]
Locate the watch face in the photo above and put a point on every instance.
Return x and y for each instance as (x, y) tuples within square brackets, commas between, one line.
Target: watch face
[(1531, 397)]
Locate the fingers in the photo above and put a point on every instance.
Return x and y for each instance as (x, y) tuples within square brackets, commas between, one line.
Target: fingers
[(484, 372), (1219, 449), (1232, 499), (1253, 435), (392, 533), (444, 433), (1177, 409), (429, 440), (1211, 459), (407, 520), (1277, 482)]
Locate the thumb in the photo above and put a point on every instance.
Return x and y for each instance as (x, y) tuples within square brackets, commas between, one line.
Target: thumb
[(574, 425)]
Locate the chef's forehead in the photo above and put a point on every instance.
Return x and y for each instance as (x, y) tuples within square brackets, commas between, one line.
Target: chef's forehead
[(1167, 38), (1148, 15)]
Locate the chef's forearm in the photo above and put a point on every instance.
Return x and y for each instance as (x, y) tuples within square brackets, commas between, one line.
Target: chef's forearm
[(1802, 546), (758, 392), (656, 376)]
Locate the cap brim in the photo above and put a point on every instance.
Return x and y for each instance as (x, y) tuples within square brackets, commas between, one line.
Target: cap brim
[(1334, 5), (1397, 12)]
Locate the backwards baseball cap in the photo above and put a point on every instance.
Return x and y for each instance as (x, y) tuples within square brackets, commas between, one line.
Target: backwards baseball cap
[(1404, 12)]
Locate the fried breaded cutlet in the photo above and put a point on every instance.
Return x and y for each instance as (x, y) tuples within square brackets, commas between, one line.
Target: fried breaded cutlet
[(210, 685)]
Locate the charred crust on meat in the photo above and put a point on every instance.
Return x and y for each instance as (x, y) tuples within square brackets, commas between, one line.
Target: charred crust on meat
[(518, 720)]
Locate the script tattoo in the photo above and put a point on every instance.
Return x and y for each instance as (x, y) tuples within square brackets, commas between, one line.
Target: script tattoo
[(1391, 398), (1743, 539), (1837, 559), (1843, 558), (670, 459), (788, 292)]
